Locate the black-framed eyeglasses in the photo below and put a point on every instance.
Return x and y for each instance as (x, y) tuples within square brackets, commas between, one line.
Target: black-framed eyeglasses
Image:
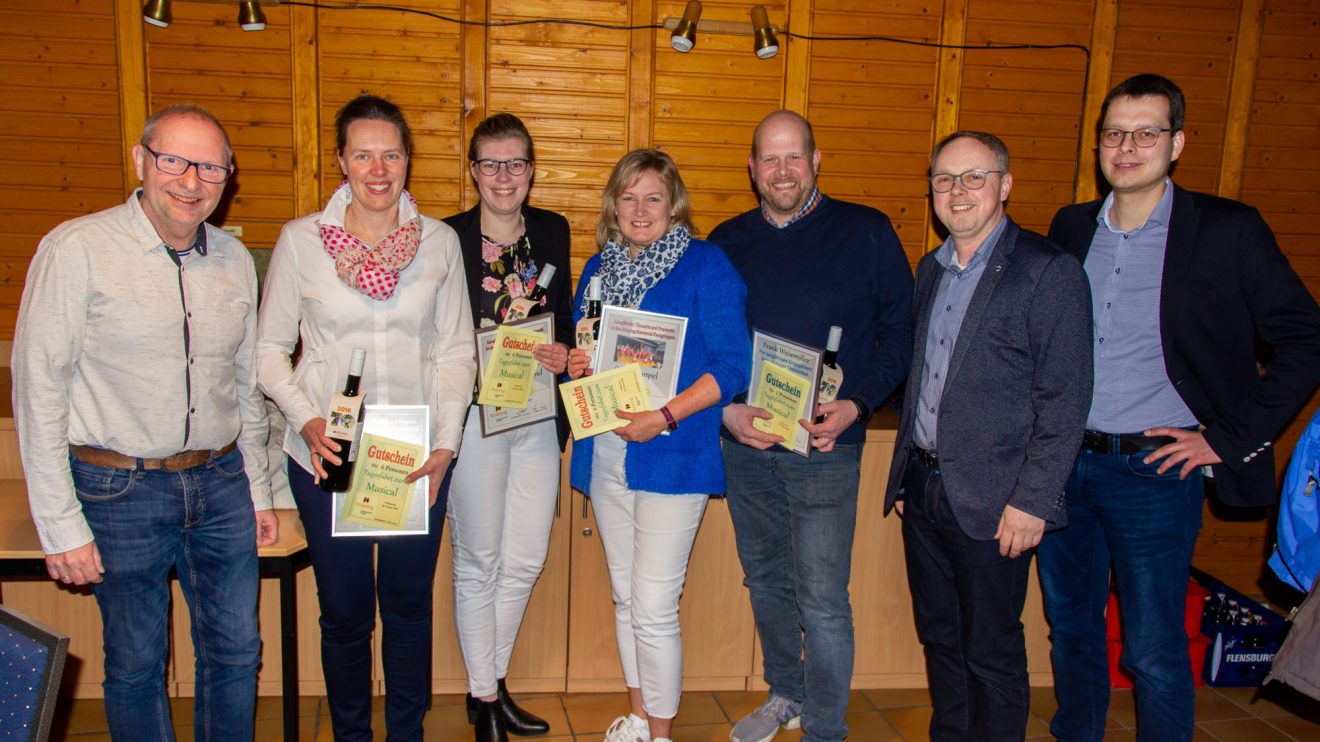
[(207, 172), (515, 167), (1143, 137), (972, 180)]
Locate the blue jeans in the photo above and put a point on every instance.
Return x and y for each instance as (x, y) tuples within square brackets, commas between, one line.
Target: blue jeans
[(967, 601), (793, 519), (349, 582), (201, 523), (1121, 512)]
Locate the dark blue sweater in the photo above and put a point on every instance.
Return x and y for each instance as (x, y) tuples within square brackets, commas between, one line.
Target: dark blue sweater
[(842, 264)]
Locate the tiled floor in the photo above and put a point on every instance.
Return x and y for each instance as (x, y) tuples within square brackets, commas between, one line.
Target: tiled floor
[(1229, 714)]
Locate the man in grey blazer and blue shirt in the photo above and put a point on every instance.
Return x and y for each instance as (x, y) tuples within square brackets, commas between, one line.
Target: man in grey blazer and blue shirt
[(995, 407)]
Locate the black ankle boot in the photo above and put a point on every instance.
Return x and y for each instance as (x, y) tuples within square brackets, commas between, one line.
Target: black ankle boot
[(519, 721), (488, 717)]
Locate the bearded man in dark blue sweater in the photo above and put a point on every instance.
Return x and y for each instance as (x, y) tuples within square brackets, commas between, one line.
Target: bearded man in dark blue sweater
[(809, 262)]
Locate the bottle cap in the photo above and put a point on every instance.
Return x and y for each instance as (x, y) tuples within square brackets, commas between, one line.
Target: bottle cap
[(836, 334), (547, 273), (593, 289), (358, 362)]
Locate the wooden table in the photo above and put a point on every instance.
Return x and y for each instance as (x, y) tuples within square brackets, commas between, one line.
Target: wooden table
[(21, 556)]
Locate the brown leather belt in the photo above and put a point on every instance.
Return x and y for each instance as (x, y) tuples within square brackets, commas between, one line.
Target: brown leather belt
[(178, 462)]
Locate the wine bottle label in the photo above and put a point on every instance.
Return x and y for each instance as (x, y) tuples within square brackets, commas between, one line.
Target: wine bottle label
[(342, 422), (521, 308), (831, 378), (586, 333)]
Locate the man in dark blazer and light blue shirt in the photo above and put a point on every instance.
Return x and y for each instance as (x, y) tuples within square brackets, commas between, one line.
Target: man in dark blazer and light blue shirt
[(995, 406), (1183, 286)]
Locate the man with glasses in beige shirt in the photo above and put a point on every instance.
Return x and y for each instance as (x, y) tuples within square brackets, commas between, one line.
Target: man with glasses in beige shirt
[(142, 432)]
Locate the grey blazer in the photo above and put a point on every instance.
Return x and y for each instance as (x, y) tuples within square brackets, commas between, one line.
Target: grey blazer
[(1018, 387)]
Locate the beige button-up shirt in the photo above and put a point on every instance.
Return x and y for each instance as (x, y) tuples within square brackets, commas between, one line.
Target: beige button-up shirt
[(100, 358)]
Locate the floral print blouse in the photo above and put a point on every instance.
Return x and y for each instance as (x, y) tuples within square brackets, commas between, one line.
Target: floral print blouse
[(507, 273)]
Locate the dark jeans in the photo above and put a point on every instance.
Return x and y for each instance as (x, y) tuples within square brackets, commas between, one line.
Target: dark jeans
[(967, 601), (1121, 512), (348, 585), (793, 520), (201, 523)]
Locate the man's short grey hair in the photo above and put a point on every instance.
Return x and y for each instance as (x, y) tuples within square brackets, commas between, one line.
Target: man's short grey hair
[(992, 142), (185, 110)]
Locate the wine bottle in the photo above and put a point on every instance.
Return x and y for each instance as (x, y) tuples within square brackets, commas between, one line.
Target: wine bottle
[(344, 426), (831, 375), (527, 305), (588, 328)]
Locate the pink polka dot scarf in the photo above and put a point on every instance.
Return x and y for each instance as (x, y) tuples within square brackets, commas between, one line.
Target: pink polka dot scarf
[(372, 270)]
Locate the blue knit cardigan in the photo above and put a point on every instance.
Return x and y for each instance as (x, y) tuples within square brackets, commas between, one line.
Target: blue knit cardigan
[(704, 287)]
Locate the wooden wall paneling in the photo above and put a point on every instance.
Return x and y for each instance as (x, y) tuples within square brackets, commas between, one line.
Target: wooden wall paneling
[(246, 80), (797, 56), (642, 45), (61, 143), (707, 103), (1246, 53), (304, 43), (475, 57), (569, 84), (873, 106), (1031, 98), (1104, 25), (132, 80), (1192, 43), (948, 89), (414, 61)]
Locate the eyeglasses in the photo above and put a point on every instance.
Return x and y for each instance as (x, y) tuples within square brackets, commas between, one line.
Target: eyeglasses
[(207, 172), (514, 167), (1146, 137), (972, 180)]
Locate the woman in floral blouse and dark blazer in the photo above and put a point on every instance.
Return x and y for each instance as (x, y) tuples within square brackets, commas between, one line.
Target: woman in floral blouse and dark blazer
[(504, 488)]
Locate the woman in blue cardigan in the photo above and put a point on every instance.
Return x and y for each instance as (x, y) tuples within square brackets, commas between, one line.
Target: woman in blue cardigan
[(649, 490)]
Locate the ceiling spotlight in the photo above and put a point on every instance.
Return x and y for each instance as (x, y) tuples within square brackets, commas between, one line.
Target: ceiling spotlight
[(763, 34), (685, 33), (157, 13), (250, 16)]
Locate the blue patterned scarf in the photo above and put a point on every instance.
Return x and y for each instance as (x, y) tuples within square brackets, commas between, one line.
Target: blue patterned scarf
[(625, 280)]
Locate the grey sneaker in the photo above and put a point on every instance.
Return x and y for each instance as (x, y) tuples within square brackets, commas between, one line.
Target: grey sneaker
[(763, 724)]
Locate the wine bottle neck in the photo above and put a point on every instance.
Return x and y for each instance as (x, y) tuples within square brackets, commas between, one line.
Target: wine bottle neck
[(352, 385)]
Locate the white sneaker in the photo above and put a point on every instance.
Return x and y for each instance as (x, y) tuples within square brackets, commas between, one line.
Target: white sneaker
[(765, 722), (630, 728)]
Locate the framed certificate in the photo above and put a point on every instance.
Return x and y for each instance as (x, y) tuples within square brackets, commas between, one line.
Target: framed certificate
[(396, 440), (652, 341), (785, 376), (542, 403)]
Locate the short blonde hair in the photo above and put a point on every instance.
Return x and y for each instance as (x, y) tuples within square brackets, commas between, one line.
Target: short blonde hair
[(625, 173)]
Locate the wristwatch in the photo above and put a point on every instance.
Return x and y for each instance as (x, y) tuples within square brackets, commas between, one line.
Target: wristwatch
[(863, 410)]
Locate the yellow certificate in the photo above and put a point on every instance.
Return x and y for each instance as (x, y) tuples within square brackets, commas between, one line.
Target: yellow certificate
[(508, 380), (591, 401), (379, 497), (786, 395)]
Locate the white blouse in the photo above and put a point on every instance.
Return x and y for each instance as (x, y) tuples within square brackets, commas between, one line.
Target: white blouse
[(419, 341)]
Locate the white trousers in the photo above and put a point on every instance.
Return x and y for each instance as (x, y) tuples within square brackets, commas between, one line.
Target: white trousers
[(501, 506), (648, 538)]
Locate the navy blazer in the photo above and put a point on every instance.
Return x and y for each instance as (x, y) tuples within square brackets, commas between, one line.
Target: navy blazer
[(1018, 386), (549, 236), (1226, 284)]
